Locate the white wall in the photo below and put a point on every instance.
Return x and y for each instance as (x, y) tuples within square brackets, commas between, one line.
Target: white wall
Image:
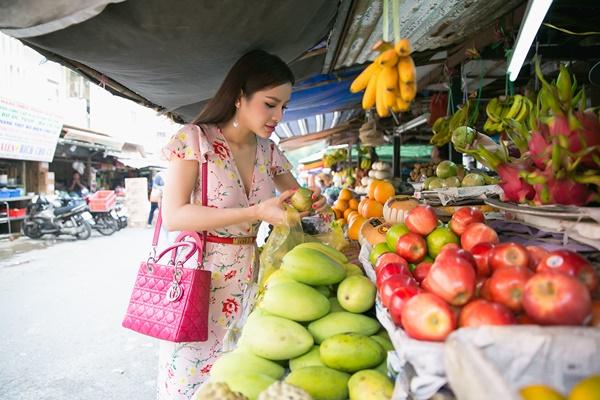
[(27, 76)]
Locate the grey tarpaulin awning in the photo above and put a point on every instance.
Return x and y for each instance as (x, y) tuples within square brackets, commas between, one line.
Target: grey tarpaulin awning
[(170, 55)]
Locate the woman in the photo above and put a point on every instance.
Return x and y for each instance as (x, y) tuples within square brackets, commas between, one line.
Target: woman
[(244, 170)]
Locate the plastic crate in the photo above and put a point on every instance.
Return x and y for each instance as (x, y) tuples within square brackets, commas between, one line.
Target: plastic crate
[(102, 201), (14, 192), (4, 193), (16, 212)]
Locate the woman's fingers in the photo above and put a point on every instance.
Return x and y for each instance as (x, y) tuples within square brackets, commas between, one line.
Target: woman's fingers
[(316, 192), (283, 197)]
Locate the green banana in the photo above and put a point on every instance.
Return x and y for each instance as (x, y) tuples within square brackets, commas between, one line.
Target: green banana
[(492, 109)]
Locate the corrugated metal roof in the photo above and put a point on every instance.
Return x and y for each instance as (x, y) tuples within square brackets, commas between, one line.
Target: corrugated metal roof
[(429, 24)]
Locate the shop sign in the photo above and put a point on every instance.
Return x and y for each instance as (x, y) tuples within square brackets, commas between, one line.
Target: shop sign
[(27, 132)]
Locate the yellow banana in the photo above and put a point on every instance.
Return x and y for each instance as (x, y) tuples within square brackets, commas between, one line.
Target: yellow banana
[(408, 91), (387, 58), (368, 100), (406, 69), (492, 109), (403, 47), (380, 105), (524, 110), (515, 108), (390, 78), (401, 105), (362, 80)]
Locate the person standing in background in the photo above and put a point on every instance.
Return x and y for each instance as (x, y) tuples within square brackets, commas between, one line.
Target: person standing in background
[(158, 184)]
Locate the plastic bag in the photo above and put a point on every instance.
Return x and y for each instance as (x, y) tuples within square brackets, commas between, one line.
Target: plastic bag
[(282, 239)]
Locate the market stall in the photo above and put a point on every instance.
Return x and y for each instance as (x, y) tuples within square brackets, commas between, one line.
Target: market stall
[(465, 269)]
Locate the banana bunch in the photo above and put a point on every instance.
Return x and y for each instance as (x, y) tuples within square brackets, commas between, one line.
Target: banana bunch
[(444, 126), (365, 163), (500, 110), (441, 131), (390, 81)]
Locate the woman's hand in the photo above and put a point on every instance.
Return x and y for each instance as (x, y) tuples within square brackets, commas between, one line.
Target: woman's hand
[(319, 202), (272, 211)]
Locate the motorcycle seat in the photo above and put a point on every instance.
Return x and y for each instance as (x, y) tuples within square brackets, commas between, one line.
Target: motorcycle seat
[(65, 209)]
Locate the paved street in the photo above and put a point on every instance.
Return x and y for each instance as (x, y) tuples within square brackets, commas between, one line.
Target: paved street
[(60, 320)]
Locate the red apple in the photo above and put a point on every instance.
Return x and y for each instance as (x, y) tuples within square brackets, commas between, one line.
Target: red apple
[(421, 270), (552, 298), (426, 316), (508, 255), (507, 285), (393, 283), (481, 312), (452, 277), (524, 319), (421, 220), (481, 253), (389, 270), (572, 264), (484, 290), (464, 217), (398, 299), (388, 258), (478, 233), (411, 247), (536, 255)]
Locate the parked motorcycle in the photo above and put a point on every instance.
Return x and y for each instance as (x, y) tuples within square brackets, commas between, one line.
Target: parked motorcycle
[(51, 217), (104, 222)]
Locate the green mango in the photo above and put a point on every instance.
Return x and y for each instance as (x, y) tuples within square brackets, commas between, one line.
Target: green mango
[(244, 361), (353, 269), (321, 383), (351, 352), (356, 294), (312, 267), (385, 343), (295, 301), (249, 384), (310, 359), (276, 338), (335, 305), (370, 384), (342, 322), (330, 251)]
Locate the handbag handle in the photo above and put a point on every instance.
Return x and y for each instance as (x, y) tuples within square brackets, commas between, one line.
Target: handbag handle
[(199, 241), (174, 247)]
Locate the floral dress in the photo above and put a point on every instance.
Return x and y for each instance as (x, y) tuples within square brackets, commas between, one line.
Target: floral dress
[(183, 367)]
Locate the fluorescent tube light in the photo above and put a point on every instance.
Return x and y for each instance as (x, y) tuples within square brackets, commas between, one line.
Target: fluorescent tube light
[(534, 16), (420, 120)]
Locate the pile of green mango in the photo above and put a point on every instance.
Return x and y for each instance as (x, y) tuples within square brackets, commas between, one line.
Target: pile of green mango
[(309, 329)]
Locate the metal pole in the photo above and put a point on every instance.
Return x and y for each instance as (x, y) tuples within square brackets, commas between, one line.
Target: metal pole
[(396, 157)]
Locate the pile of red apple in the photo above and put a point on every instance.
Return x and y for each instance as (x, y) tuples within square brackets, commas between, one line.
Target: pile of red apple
[(483, 283)]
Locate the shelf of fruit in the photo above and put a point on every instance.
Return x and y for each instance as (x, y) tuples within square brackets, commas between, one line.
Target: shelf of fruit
[(433, 279)]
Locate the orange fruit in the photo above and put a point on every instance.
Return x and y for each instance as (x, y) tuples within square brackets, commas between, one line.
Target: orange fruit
[(384, 191), (345, 194), (338, 213), (353, 204), (355, 226), (341, 205), (361, 205), (374, 183), (586, 389), (372, 209), (341, 221), (351, 215), (347, 212)]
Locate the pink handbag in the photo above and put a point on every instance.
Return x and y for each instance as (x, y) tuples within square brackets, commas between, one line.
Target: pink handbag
[(169, 301)]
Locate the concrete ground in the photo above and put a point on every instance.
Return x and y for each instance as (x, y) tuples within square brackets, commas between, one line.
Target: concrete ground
[(60, 319)]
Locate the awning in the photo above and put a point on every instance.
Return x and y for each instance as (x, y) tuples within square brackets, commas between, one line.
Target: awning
[(170, 55), (92, 137)]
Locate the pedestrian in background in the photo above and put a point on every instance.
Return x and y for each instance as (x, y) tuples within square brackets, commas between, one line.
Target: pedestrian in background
[(158, 184)]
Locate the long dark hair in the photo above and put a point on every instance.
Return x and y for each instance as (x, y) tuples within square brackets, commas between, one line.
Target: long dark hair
[(254, 71)]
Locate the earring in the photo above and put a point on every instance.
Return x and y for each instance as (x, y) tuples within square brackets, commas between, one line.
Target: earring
[(235, 121)]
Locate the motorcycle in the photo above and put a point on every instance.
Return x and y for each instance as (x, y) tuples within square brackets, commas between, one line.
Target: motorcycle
[(104, 222), (51, 217)]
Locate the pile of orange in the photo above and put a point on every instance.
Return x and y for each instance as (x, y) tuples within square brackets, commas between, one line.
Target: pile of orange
[(349, 210)]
